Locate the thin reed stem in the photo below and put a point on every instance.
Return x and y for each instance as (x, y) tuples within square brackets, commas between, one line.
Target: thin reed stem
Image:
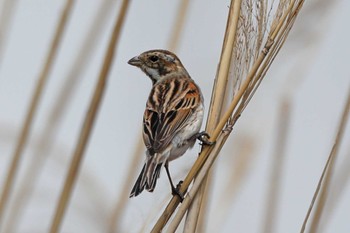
[(323, 196), (273, 194), (25, 131), (7, 12), (333, 154), (239, 166), (47, 138), (341, 182), (89, 121), (119, 208), (176, 33), (192, 193)]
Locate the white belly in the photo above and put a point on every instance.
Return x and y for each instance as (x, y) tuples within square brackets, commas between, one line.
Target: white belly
[(182, 141)]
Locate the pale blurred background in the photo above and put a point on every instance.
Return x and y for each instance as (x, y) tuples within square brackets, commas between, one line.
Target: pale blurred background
[(310, 73)]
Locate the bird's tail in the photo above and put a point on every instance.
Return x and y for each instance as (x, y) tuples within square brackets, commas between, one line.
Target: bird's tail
[(147, 178)]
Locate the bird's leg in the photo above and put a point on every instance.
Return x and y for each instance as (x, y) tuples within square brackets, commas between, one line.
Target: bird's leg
[(204, 138), (174, 191)]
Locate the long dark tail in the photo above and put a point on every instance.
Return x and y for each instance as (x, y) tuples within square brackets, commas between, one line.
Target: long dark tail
[(147, 178)]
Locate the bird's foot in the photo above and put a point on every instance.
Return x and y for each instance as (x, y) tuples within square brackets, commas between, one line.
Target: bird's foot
[(176, 191), (204, 138)]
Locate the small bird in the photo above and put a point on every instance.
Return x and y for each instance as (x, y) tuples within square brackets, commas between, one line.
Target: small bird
[(172, 118)]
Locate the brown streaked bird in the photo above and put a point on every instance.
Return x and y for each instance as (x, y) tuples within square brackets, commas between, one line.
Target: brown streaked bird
[(172, 119)]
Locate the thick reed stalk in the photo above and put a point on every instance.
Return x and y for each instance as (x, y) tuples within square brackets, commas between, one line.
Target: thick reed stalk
[(25, 131), (192, 193), (217, 100), (89, 121)]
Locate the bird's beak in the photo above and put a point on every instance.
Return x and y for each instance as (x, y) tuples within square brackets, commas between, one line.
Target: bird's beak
[(135, 61)]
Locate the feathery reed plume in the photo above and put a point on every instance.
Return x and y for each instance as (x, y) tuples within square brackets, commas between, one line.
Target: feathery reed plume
[(47, 137), (322, 185), (89, 120), (25, 131), (280, 28)]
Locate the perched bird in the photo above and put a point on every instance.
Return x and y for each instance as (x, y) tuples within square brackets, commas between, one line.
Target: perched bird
[(172, 119)]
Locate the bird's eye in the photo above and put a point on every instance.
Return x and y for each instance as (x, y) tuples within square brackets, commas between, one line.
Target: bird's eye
[(153, 58)]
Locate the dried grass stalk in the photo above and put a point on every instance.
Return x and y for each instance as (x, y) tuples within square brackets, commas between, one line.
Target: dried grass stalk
[(273, 194), (329, 174), (192, 193), (240, 164), (341, 180), (250, 32), (249, 37), (89, 121), (217, 100), (117, 213), (322, 186), (175, 35), (47, 138), (7, 12), (25, 131)]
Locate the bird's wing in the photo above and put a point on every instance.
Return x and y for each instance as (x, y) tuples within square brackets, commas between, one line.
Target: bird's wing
[(168, 109)]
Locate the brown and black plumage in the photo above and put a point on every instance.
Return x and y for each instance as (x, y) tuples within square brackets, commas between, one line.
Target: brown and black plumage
[(172, 118)]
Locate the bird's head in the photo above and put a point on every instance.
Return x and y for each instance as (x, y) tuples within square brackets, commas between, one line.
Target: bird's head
[(158, 64)]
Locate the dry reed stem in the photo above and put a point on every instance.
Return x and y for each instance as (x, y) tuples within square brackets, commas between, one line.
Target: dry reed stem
[(25, 131), (217, 100), (218, 93), (175, 35), (273, 194), (333, 154), (199, 178), (250, 33), (88, 121), (46, 140), (281, 29), (88, 180), (323, 196), (117, 213), (239, 166), (206, 189), (340, 181), (7, 12)]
